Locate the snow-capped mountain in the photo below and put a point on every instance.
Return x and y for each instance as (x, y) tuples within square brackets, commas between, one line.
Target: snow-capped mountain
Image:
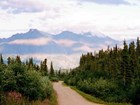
[(66, 43), (35, 41)]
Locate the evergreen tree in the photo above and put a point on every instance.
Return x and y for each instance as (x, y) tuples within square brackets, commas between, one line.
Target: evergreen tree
[(8, 60), (138, 47), (1, 59), (18, 60), (51, 70), (30, 64), (43, 67), (133, 59), (125, 72)]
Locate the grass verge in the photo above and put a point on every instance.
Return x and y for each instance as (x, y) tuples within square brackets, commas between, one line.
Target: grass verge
[(53, 99), (96, 100)]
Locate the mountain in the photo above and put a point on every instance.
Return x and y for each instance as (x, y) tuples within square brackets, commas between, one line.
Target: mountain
[(66, 43), (31, 34), (35, 41)]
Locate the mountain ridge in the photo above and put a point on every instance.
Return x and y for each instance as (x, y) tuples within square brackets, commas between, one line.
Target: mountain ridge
[(64, 42), (66, 46)]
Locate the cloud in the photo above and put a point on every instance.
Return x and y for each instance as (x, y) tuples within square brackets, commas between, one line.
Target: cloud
[(35, 42), (43, 41), (16, 6), (110, 2), (54, 16), (67, 61), (133, 2), (64, 42)]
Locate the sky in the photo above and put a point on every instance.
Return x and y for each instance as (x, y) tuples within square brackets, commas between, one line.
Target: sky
[(119, 19)]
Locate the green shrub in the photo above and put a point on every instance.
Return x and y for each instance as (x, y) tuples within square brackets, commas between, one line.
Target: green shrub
[(9, 80), (54, 79), (46, 86)]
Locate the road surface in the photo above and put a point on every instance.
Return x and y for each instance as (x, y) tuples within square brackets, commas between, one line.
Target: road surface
[(67, 96)]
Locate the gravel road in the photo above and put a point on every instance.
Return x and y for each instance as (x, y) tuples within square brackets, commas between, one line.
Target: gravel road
[(67, 96)]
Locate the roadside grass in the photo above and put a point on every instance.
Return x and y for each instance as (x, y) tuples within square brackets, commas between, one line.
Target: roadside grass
[(88, 97), (53, 99), (94, 99)]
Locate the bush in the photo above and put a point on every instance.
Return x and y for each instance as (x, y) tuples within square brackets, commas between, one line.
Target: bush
[(46, 86), (29, 83), (34, 86), (9, 81), (54, 79)]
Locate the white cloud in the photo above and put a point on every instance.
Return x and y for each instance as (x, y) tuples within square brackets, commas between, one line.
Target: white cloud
[(43, 41), (36, 42), (59, 60), (65, 42), (55, 16), (16, 6), (134, 2)]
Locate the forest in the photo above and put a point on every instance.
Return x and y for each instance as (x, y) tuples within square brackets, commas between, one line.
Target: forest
[(25, 83), (112, 75)]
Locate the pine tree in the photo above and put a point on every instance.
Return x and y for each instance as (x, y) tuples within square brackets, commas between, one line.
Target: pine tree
[(44, 67), (8, 60), (126, 74), (18, 60), (51, 70), (1, 59), (138, 47), (133, 59), (30, 65)]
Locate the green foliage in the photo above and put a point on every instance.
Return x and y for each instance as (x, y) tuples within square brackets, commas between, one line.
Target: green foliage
[(54, 79), (25, 79), (112, 75), (51, 70), (1, 59), (43, 67)]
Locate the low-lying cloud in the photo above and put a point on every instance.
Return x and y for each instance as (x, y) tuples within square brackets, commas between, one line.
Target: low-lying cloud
[(62, 61), (35, 42), (43, 41), (65, 42)]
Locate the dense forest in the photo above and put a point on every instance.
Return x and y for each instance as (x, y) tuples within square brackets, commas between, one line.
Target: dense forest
[(24, 82), (112, 75)]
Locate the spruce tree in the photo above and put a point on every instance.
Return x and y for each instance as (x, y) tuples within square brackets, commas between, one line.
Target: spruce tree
[(44, 67), (51, 70), (125, 71), (133, 59), (18, 60), (138, 47), (8, 60), (1, 59)]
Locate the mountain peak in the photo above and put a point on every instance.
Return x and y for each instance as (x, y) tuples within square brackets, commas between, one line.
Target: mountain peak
[(67, 32), (33, 30), (89, 34)]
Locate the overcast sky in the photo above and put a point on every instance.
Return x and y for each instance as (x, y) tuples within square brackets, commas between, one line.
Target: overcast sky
[(119, 19)]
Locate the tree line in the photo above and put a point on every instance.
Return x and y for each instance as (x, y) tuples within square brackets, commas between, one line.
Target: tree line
[(112, 75)]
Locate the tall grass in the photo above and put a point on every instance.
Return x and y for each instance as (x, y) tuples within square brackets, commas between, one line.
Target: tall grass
[(96, 100)]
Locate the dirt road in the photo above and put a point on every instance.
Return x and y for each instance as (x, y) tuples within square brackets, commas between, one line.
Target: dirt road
[(67, 96)]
